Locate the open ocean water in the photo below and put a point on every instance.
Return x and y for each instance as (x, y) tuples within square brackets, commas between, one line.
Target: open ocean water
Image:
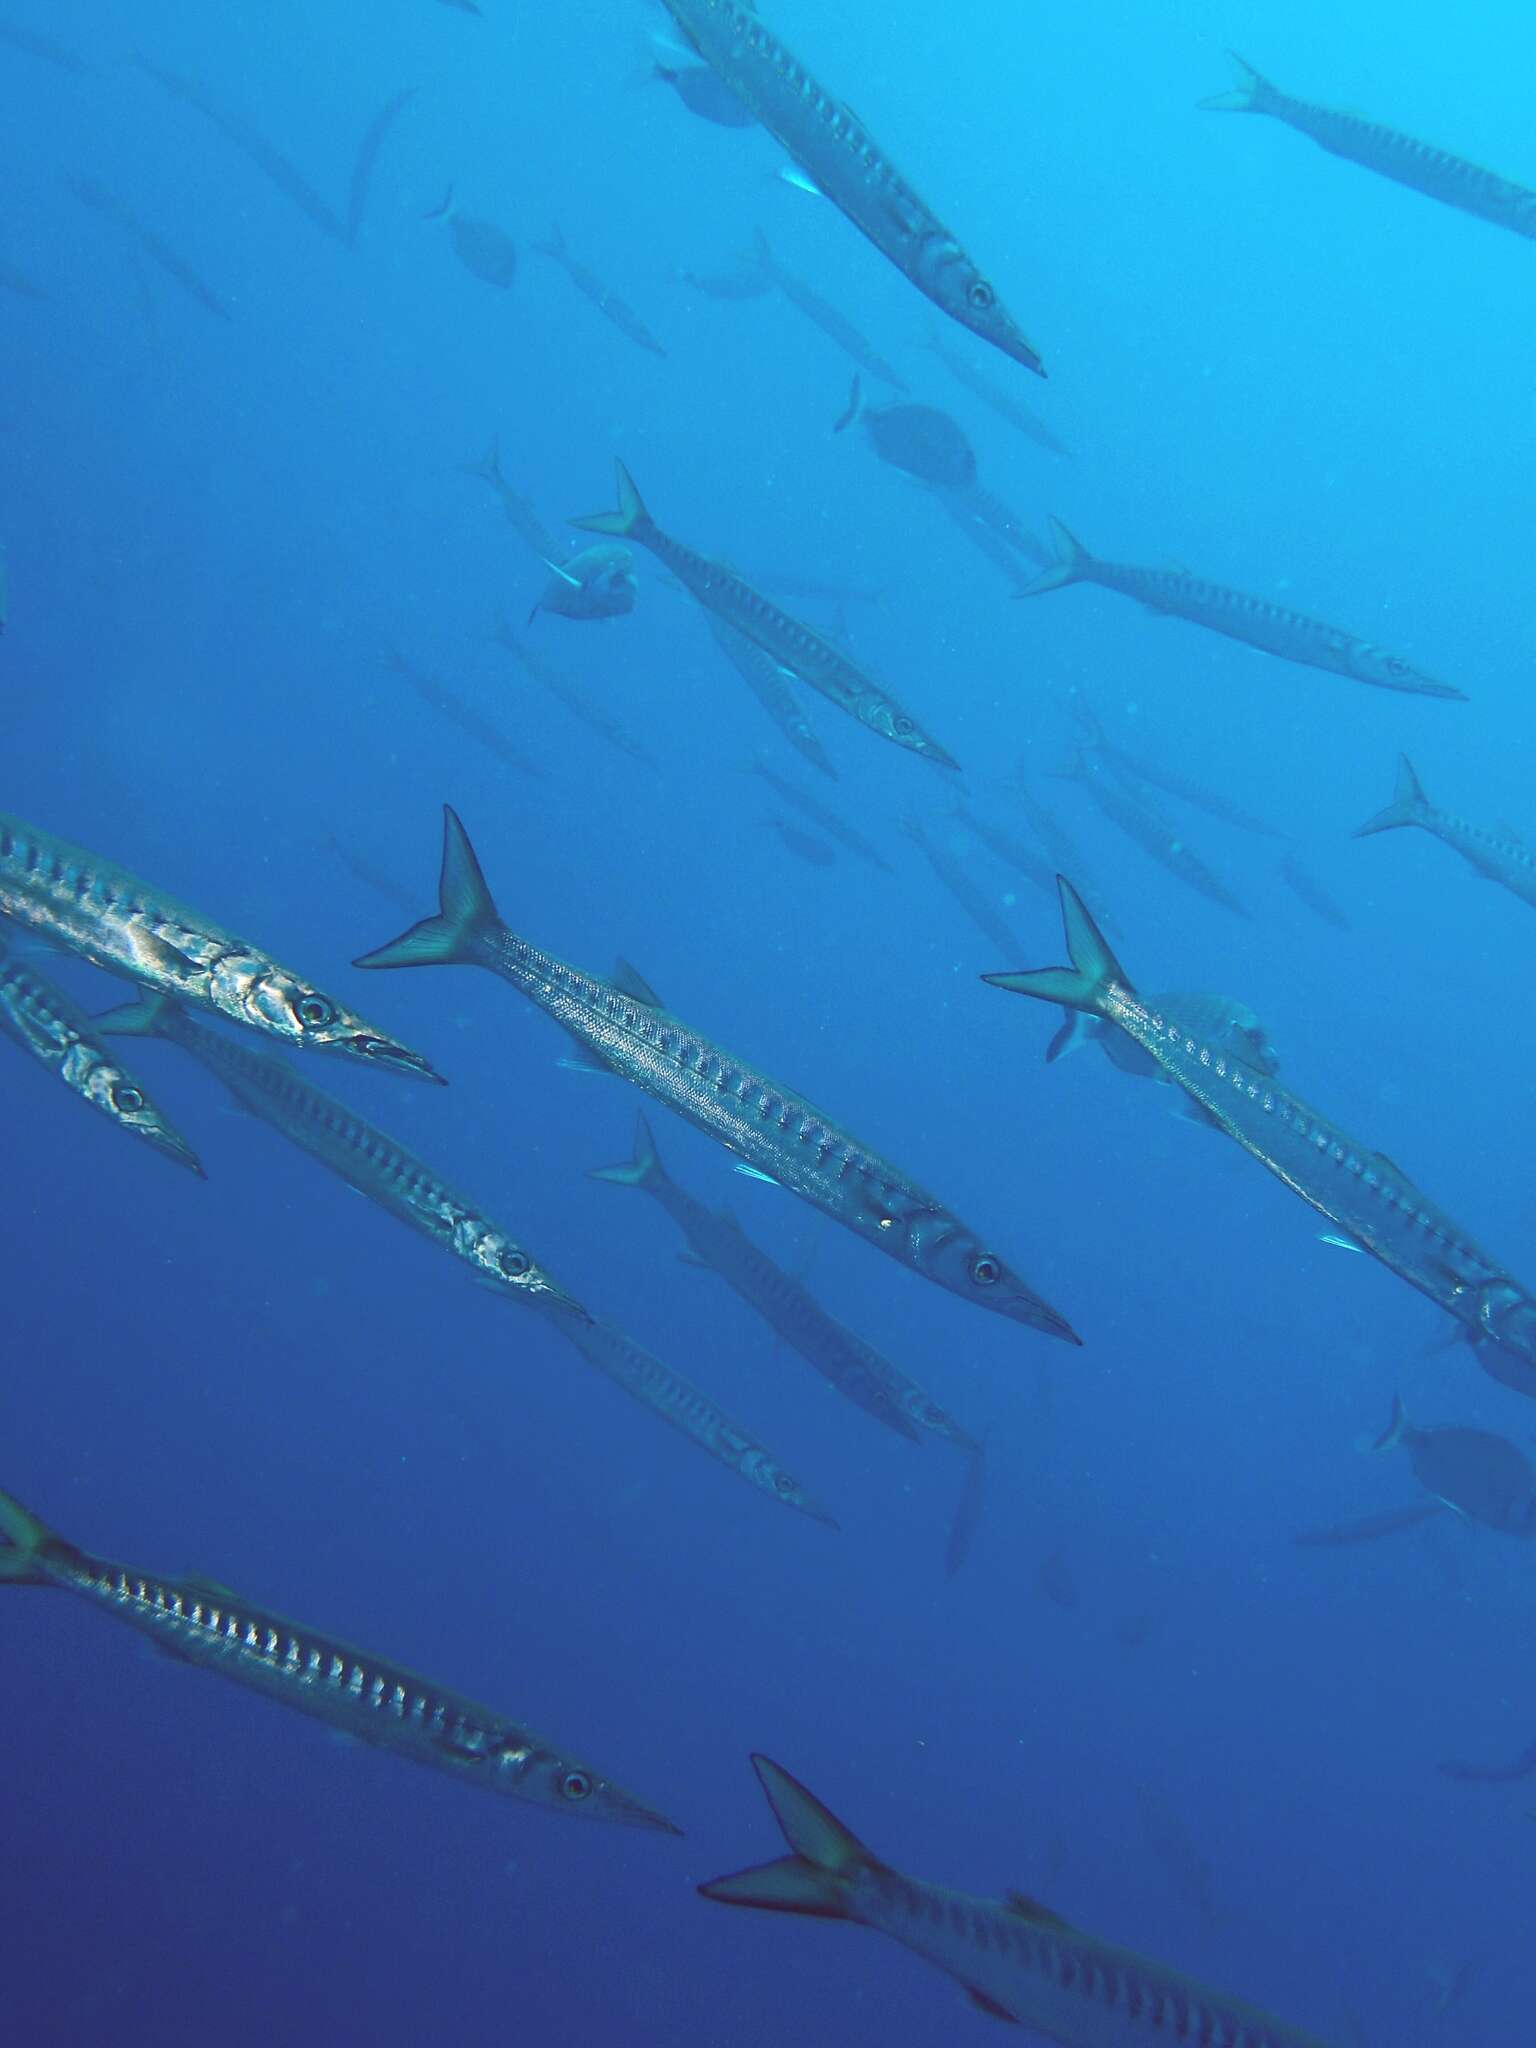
[(1138, 1699)]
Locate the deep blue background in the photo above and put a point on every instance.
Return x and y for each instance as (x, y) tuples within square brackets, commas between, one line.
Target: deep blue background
[(1273, 368)]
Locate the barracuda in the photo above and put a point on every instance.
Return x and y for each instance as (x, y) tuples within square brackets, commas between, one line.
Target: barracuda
[(1402, 158), (1499, 856), (89, 906), (1014, 1959), (718, 1242), (793, 645), (365, 1157), (1362, 1191), (779, 1133), (1271, 628), (381, 1703), (836, 151), (770, 685), (43, 1021)]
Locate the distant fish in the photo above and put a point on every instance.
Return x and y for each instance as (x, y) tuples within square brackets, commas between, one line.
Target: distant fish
[(448, 704), (1307, 889), (1025, 859), (367, 160), (1522, 1766), (1066, 854), (1013, 1958), (606, 300), (792, 583), (95, 195), (1499, 855), (676, 1401), (754, 1117), (1484, 1477), (821, 814), (519, 511), (1363, 1192), (993, 527), (1018, 415), (1402, 158), (1255, 621), (702, 91), (465, 6), (358, 1152), (12, 280), (820, 311), (820, 133), (91, 907), (485, 250), (51, 1029), (372, 877), (595, 583), (205, 1625), (980, 533), (582, 704), (1157, 836), (728, 285), (773, 687), (718, 1242), (966, 891), (270, 161), (1171, 1843), (797, 647), (1171, 781), (1370, 1528), (962, 1533), (1055, 1581), (803, 845), (1135, 1631), (34, 44), (920, 439)]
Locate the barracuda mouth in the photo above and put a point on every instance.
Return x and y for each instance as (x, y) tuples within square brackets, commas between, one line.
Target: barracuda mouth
[(1028, 1308), (172, 1146), (631, 1814), (555, 1297), (381, 1052)]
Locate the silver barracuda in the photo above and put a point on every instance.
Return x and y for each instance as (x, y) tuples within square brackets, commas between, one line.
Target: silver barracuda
[(968, 893), (777, 1132), (832, 822), (1137, 768), (1362, 1191), (835, 150), (1402, 158), (1013, 1958), (1499, 855), (836, 326), (793, 645), (1018, 415), (206, 1625), (581, 704), (653, 1383), (606, 300), (718, 1242), (1007, 847), (1255, 621), (1157, 836), (771, 686), (365, 1157), (432, 690), (44, 1022), (90, 906)]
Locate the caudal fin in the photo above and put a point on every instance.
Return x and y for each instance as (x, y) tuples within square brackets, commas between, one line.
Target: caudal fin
[(852, 409), (1396, 1429), (1408, 806), (1075, 1032), (813, 1879), (443, 207), (26, 1541), (1070, 566), (1252, 93), (1085, 984), (630, 518), (645, 1170), (488, 468), (466, 913)]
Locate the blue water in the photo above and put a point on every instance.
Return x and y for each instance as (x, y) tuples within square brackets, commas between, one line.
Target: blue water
[(1273, 368)]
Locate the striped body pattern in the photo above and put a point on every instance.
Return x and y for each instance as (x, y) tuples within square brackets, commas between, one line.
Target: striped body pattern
[(777, 1132), (769, 683), (91, 907), (1256, 622), (1496, 854), (363, 1696), (43, 1021), (827, 141), (1029, 1966), (677, 1401), (368, 1160), (1157, 837)]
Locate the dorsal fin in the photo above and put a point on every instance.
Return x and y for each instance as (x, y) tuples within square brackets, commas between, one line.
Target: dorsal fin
[(201, 1583), (634, 984), (1026, 1908)]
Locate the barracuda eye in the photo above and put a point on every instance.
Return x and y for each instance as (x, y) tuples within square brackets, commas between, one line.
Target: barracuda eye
[(902, 726), (129, 1100), (1395, 665), (985, 1270), (575, 1785), (313, 1012), (783, 1483), (513, 1263), (981, 296)]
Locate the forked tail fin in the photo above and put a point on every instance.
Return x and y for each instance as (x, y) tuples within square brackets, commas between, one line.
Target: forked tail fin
[(645, 1170), (1070, 566), (150, 1015), (1252, 94), (466, 913), (811, 1880), (1083, 985), (1409, 804), (1075, 1032), (631, 516), (852, 410), (1396, 1429), (26, 1541)]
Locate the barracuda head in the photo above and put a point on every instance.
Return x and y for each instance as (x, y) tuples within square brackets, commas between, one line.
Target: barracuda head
[(1391, 672), (569, 1787), (509, 1270), (273, 1000), (952, 281), (113, 1091), (943, 1250), (892, 723), (763, 1472)]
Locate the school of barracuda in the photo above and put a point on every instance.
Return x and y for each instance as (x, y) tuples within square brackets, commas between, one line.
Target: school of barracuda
[(190, 979)]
